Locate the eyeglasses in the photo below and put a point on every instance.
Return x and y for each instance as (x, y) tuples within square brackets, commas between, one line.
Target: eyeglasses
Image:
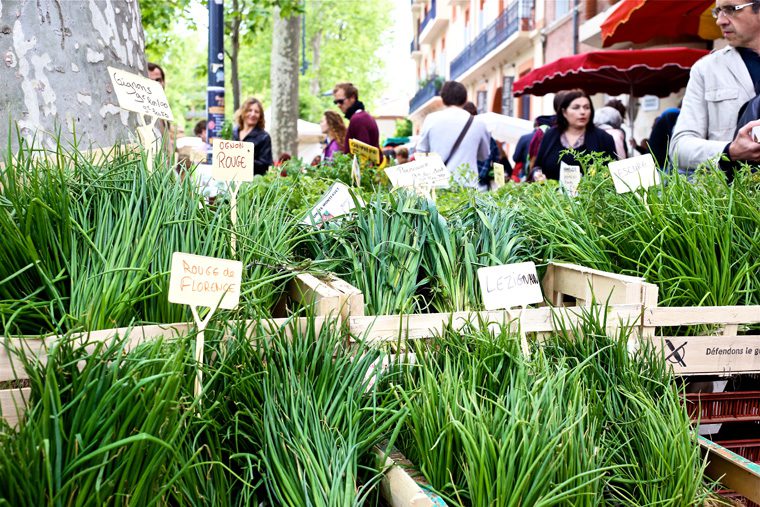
[(729, 10), (339, 102)]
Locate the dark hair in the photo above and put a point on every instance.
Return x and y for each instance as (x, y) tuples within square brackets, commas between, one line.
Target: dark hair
[(199, 127), (567, 98), (240, 113), (453, 94), (153, 66), (348, 89), (470, 108), (402, 152), (617, 104)]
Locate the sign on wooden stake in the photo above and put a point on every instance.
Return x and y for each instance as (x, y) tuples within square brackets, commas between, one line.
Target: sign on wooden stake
[(364, 151), (232, 162), (499, 178), (569, 178), (200, 281), (335, 202), (633, 173), (427, 172), (140, 94)]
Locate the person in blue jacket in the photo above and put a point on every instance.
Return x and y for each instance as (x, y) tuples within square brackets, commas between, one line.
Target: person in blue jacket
[(575, 129)]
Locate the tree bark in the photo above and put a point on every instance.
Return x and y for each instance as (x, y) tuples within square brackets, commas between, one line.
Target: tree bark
[(53, 59), (234, 55), (316, 46), (284, 78)]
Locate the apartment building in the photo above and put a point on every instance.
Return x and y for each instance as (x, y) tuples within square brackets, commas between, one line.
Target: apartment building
[(488, 44)]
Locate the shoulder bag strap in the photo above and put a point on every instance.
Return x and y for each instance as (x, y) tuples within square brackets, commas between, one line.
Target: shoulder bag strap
[(459, 140)]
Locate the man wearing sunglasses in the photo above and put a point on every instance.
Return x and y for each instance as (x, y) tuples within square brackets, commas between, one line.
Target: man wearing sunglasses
[(361, 125), (719, 85)]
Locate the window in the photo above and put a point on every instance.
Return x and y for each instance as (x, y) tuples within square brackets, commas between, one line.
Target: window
[(506, 97), (562, 7), (525, 107), (482, 101)]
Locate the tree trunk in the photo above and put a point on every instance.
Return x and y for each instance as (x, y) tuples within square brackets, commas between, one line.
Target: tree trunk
[(53, 59), (284, 77), (235, 53), (316, 45)]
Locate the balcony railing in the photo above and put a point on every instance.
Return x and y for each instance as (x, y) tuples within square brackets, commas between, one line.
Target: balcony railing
[(430, 15), (424, 94), (510, 21)]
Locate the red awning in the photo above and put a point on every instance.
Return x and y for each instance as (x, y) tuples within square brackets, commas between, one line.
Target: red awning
[(638, 72), (641, 21)]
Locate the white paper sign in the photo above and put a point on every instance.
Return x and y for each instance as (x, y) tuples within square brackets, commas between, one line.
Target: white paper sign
[(569, 178), (140, 94), (337, 201), (498, 175), (232, 160), (430, 172), (205, 281), (633, 173), (510, 285)]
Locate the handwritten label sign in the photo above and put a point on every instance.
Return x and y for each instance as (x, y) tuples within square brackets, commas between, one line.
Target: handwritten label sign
[(364, 151), (429, 172), (498, 175), (698, 355), (337, 201), (509, 285), (205, 281), (140, 94), (569, 178), (233, 160), (634, 173)]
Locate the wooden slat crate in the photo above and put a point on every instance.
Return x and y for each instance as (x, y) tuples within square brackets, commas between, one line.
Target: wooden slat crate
[(722, 354), (13, 394), (328, 296)]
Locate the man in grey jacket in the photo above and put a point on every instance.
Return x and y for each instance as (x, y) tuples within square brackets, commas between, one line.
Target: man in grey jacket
[(720, 83)]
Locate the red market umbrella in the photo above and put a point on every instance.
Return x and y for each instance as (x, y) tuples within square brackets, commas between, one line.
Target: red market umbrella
[(637, 72), (641, 21)]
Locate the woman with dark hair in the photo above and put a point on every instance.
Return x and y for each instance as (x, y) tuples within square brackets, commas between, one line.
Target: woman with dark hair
[(249, 127), (575, 129), (335, 130)]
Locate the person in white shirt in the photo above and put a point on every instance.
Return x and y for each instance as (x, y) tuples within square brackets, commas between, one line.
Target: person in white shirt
[(441, 131)]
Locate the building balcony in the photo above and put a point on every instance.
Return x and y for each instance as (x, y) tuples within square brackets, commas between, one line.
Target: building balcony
[(432, 25), (414, 50), (516, 18), (425, 94)]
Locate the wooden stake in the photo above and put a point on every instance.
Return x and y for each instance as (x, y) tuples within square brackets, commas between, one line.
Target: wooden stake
[(200, 343)]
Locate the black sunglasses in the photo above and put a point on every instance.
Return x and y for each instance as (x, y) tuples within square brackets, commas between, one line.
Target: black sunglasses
[(339, 102)]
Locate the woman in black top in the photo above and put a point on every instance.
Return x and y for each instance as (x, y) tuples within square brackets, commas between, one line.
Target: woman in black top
[(249, 127), (575, 129)]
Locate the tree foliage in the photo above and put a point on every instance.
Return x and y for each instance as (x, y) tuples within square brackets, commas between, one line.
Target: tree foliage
[(349, 34)]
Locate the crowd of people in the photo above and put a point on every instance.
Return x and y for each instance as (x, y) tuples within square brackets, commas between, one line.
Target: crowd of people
[(720, 108)]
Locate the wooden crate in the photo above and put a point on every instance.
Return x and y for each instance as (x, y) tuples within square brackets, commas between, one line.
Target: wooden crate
[(327, 296), (731, 470), (585, 285), (386, 328), (402, 485), (725, 353), (14, 394)]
